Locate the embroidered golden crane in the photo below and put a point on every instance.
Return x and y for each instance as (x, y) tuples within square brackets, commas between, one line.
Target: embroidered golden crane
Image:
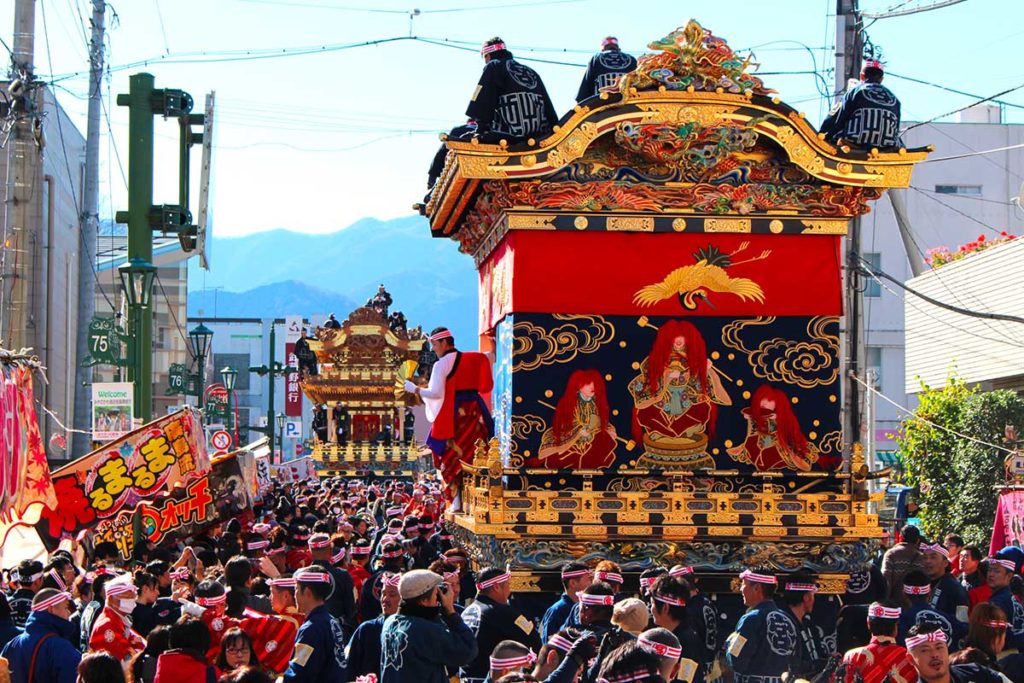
[(707, 275)]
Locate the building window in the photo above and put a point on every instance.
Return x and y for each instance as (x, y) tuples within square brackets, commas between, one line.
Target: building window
[(969, 190), (872, 287), (873, 361)]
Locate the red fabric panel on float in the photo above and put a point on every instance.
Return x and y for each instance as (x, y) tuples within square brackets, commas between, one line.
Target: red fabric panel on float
[(661, 274)]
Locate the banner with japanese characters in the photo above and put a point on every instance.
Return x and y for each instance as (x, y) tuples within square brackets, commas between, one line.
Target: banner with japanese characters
[(294, 471), (216, 496), (152, 459), (263, 481)]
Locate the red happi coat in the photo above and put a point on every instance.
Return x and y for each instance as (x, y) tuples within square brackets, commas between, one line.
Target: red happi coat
[(111, 634), (273, 638), (878, 659)]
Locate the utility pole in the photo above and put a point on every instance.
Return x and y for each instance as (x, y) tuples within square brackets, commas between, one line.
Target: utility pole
[(849, 52), (273, 370), (23, 257), (144, 102), (90, 224)]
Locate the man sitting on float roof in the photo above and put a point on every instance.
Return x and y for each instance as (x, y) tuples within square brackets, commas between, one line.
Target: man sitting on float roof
[(868, 115), (510, 101)]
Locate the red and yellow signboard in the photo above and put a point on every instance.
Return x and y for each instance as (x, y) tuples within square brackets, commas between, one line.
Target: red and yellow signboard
[(124, 473)]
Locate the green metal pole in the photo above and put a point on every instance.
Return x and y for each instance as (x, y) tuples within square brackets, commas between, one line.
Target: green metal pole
[(272, 376), (140, 237)]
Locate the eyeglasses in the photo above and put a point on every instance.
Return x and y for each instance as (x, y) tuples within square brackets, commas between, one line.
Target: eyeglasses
[(237, 650)]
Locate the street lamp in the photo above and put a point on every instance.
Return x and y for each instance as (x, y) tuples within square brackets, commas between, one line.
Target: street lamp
[(280, 433), (137, 276), (199, 338), (137, 281), (229, 375)]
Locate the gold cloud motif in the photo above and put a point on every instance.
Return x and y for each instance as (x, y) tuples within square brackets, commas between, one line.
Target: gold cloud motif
[(805, 363), (533, 346)]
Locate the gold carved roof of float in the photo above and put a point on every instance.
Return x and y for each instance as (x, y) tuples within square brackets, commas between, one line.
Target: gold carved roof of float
[(716, 92), (359, 361)]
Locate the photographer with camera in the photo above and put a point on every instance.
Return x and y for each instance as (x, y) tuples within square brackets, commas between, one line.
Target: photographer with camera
[(427, 633)]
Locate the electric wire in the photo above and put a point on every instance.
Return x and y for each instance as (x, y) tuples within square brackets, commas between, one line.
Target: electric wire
[(91, 258), (967, 106), (163, 29), (910, 412), (974, 154), (973, 198), (949, 89), (954, 209), (174, 316), (868, 269)]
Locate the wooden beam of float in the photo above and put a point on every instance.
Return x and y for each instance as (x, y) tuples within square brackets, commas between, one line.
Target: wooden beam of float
[(661, 279)]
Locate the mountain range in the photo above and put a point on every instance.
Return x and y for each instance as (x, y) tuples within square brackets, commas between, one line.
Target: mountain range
[(281, 272)]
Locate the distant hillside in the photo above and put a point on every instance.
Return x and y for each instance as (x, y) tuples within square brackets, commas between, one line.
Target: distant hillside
[(286, 273), (277, 299)]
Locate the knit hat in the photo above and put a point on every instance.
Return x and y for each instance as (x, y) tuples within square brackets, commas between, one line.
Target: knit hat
[(631, 615), (418, 582)]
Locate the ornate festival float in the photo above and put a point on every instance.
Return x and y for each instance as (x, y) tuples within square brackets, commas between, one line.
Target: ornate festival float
[(661, 281), (366, 420)]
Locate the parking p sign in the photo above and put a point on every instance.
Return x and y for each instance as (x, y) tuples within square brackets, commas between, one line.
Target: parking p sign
[(293, 429)]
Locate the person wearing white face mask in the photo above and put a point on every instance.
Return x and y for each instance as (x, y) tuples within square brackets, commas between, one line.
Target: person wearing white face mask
[(113, 631)]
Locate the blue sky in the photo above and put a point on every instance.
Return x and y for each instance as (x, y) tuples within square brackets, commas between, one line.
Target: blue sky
[(314, 142)]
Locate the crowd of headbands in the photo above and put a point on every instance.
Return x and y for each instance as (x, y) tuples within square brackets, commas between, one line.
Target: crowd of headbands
[(343, 581)]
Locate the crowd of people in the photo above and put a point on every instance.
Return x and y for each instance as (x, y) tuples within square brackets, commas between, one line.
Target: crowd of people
[(354, 581)]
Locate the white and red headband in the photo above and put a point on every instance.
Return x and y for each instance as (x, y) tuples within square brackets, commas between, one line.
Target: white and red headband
[(179, 574), (288, 582), (917, 590), (668, 600), (680, 570), (339, 556), (392, 579), (575, 573), (113, 590), (660, 649), (610, 40), (51, 601), (610, 577), (1009, 565), (592, 599), (502, 663), (313, 577), (213, 601), (879, 611), (933, 637), (802, 587), (319, 543), (936, 548), (493, 581), (257, 545), (560, 643), (58, 579), (754, 577), (485, 50), (360, 550)]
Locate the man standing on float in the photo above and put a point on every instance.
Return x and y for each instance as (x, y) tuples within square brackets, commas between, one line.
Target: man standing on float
[(456, 406)]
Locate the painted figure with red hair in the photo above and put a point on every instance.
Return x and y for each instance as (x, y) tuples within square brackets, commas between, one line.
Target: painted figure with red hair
[(580, 437), (676, 397), (774, 439)]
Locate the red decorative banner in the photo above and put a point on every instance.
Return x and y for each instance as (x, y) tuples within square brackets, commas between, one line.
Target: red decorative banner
[(120, 475), (1009, 525), (292, 392), (657, 274), (26, 490)]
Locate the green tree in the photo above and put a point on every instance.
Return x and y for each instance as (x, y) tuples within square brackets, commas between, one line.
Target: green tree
[(956, 476)]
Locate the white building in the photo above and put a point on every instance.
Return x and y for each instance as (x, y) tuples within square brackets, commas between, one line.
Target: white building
[(985, 352), (951, 202)]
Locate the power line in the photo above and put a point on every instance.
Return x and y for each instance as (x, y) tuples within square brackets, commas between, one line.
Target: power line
[(868, 269), (974, 154), (174, 316), (377, 10), (954, 209), (163, 30), (968, 106), (963, 196), (906, 410), (948, 89), (67, 165), (896, 12)]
